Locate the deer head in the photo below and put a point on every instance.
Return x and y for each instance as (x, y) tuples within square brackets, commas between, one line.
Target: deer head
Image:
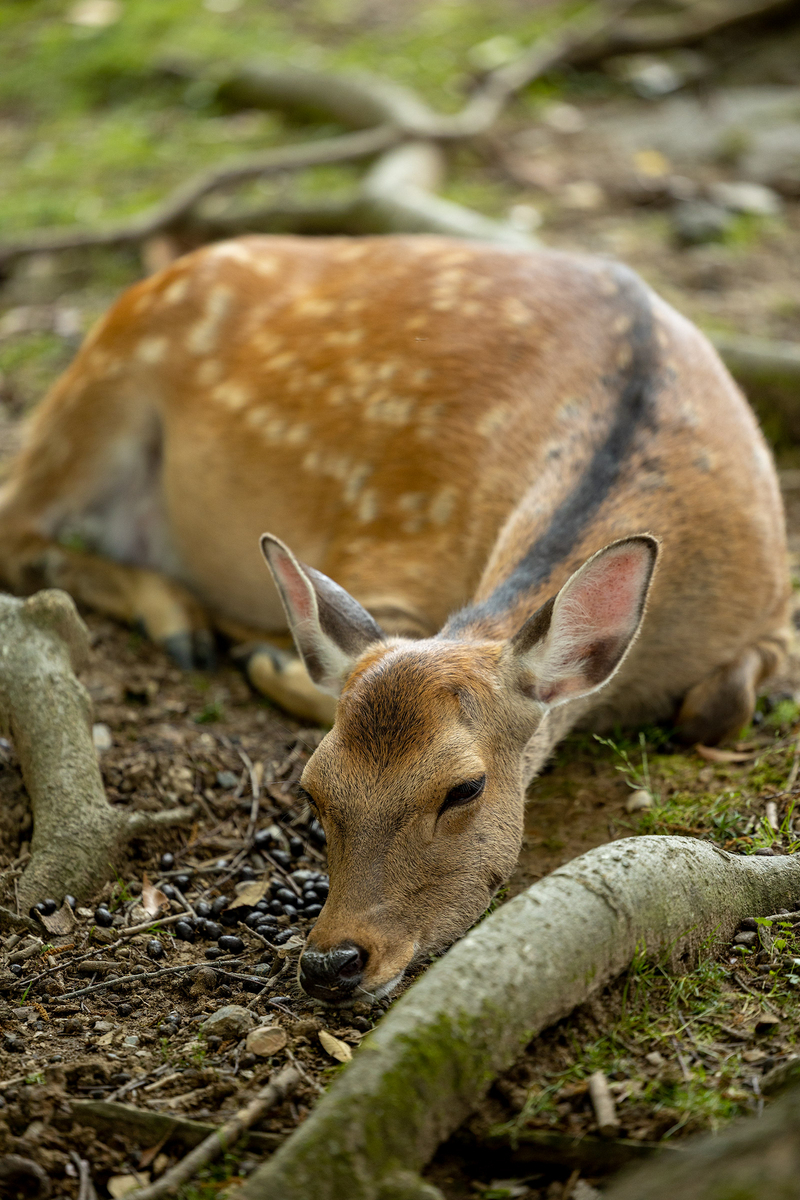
[(419, 784)]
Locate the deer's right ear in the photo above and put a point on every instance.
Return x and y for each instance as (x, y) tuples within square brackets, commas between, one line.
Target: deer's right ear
[(330, 629)]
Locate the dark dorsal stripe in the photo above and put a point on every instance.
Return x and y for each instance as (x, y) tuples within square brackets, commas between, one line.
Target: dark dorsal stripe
[(635, 385)]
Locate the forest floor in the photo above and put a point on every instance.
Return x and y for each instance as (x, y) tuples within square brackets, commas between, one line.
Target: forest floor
[(592, 167)]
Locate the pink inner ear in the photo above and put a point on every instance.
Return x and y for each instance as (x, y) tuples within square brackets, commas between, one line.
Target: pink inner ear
[(297, 590), (610, 592)]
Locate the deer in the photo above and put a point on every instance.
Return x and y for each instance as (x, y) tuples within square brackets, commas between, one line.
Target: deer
[(508, 494)]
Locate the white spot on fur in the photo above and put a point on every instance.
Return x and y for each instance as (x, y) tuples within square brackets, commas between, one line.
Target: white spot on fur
[(234, 251), (355, 481), (280, 362), (151, 350), (176, 291), (313, 306), (493, 421), (368, 506), (204, 334), (209, 372), (515, 312), (388, 409), (442, 505), (343, 337), (233, 395)]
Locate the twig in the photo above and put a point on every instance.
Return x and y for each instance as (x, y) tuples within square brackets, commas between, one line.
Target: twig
[(603, 1104), (792, 779), (757, 995), (283, 1085), (137, 978), (255, 788), (285, 158), (86, 1189)]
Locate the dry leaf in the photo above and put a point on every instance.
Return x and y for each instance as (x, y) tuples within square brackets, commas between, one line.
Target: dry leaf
[(153, 898), (120, 1185), (60, 923), (106, 1039), (336, 1048), (250, 894), (712, 754), (266, 1040)]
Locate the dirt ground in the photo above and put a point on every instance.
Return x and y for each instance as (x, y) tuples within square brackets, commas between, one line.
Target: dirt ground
[(101, 1017)]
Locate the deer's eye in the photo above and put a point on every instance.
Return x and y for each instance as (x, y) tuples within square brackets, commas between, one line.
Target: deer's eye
[(309, 799), (463, 793)]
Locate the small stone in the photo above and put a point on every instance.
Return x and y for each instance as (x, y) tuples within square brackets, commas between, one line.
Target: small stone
[(765, 852), (266, 1040), (104, 1026), (124, 1010), (131, 1041), (744, 197), (226, 779), (654, 1058), (101, 736), (231, 1021), (749, 923), (699, 221), (637, 801), (747, 938)]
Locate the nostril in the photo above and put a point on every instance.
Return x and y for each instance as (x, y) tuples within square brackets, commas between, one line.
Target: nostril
[(338, 969)]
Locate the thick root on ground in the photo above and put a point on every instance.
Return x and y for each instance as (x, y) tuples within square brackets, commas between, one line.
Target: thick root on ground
[(46, 711)]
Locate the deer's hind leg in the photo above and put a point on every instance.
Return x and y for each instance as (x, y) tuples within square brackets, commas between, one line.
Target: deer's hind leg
[(80, 510), (722, 704)]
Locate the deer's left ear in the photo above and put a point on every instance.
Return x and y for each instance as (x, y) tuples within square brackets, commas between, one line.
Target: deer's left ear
[(577, 641), (330, 629)]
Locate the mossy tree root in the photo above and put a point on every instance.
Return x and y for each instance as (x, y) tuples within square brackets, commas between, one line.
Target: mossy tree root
[(422, 1071), (46, 711)]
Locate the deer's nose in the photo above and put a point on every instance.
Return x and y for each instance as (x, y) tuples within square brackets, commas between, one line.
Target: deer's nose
[(333, 975)]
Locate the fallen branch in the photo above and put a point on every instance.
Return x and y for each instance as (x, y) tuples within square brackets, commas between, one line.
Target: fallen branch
[(384, 115), (420, 1073), (757, 1157), (77, 835), (283, 1085), (147, 1127), (668, 32)]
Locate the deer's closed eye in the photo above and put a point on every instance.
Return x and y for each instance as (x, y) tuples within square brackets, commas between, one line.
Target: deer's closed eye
[(463, 793)]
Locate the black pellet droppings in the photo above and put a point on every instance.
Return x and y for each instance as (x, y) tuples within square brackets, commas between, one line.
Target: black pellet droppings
[(213, 931), (276, 908), (71, 901), (121, 1076), (232, 916), (247, 873), (296, 847), (262, 906), (290, 911), (302, 877), (231, 944), (15, 968), (202, 908), (219, 903), (310, 897), (167, 862), (184, 931), (267, 921), (169, 891), (313, 910), (214, 952), (36, 908), (183, 882), (155, 949), (317, 833), (749, 923), (125, 1010), (103, 917), (49, 907), (281, 858), (282, 936), (285, 896)]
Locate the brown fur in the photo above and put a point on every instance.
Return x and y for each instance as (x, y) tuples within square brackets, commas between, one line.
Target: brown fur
[(411, 415)]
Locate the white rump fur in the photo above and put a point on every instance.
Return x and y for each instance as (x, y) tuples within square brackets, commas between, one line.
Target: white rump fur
[(596, 618)]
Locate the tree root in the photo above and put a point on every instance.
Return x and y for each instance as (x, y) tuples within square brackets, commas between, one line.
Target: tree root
[(422, 1070), (77, 835), (751, 1160)]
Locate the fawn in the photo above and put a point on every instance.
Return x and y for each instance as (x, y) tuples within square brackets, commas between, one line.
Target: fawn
[(542, 498)]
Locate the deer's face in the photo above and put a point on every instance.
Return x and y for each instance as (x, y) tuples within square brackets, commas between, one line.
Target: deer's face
[(419, 783), (418, 787)]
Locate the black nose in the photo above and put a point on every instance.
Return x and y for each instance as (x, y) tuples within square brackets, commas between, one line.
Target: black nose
[(333, 975)]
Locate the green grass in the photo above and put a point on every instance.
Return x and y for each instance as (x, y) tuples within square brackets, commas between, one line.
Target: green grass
[(93, 128)]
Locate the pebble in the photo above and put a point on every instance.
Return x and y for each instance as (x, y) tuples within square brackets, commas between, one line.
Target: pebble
[(132, 1041), (266, 1040), (745, 197), (749, 923), (230, 1021), (699, 221), (101, 737), (226, 779), (638, 801)]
